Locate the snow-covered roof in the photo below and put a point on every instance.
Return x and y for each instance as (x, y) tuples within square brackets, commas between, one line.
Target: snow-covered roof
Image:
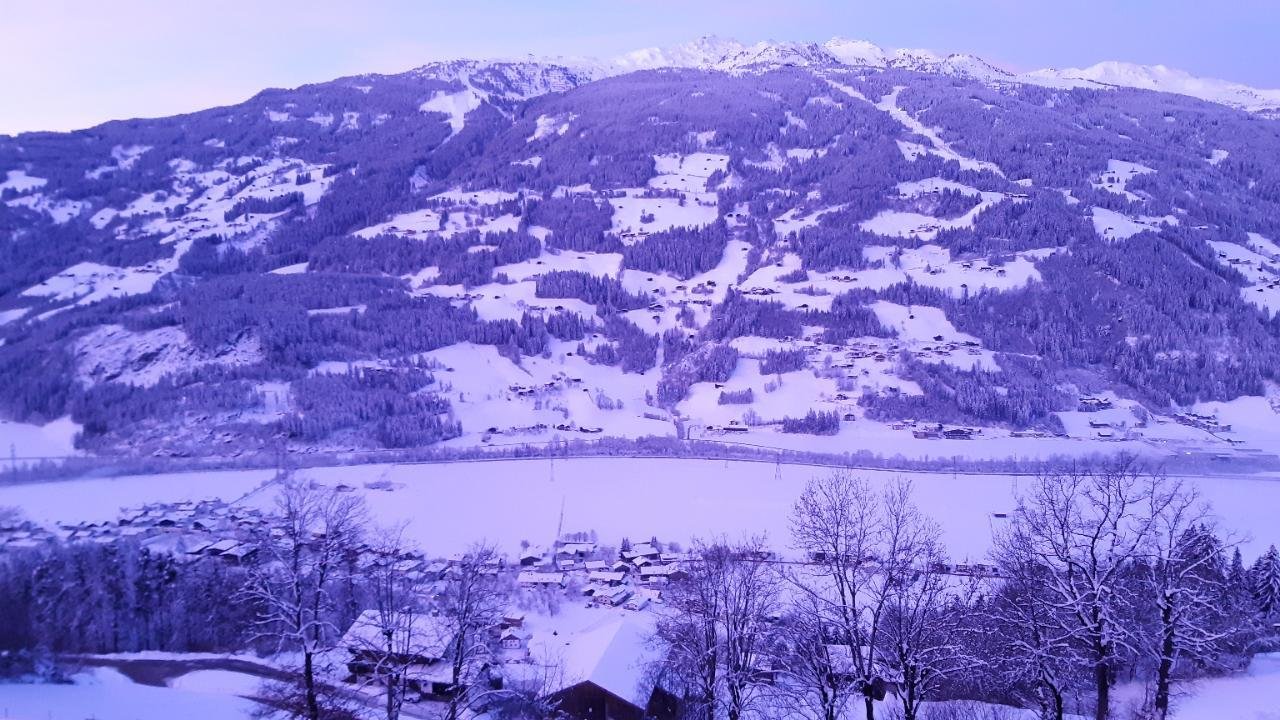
[(421, 635), (615, 657), (530, 577)]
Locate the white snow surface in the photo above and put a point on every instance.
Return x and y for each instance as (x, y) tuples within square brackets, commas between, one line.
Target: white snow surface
[(19, 181), (89, 282), (1116, 178), (1112, 226), (729, 55), (53, 439), (106, 694), (454, 105), (939, 147), (895, 223)]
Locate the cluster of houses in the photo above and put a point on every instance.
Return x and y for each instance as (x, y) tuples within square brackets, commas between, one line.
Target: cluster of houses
[(23, 534), (600, 674), (938, 431), (882, 352), (189, 529), (600, 669), (631, 580), (1091, 403), (557, 382), (1208, 423)]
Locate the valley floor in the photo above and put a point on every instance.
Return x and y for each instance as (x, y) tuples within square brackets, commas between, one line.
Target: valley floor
[(448, 506)]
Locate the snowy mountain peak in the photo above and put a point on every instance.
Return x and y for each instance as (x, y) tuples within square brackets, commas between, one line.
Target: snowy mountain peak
[(509, 79), (856, 52), (1160, 78), (775, 54), (700, 53)]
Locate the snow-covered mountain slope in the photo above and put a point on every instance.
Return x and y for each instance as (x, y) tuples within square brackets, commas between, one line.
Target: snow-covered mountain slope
[(823, 246)]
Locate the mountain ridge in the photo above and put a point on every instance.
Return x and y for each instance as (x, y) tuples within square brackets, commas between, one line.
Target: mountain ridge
[(711, 52)]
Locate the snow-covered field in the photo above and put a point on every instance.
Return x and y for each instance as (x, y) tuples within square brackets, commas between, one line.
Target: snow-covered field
[(447, 506), (107, 694), (53, 439)]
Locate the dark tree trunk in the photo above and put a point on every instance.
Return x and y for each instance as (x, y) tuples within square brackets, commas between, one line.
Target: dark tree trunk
[(309, 682), (1102, 681), (1165, 671)]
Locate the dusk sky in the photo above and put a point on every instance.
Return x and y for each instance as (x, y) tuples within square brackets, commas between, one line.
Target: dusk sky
[(68, 64)]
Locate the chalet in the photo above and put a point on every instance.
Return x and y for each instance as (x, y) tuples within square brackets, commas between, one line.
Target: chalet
[(958, 434), (513, 619), (576, 549), (239, 554), (639, 550), (418, 641), (1094, 404), (665, 572), (514, 640), (611, 579), (611, 596), (607, 675)]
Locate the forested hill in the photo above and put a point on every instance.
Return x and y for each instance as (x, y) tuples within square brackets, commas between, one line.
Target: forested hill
[(809, 246)]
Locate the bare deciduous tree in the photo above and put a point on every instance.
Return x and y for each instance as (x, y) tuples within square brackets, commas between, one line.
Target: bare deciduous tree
[(1031, 649), (396, 635), (924, 610), (471, 604), (300, 557), (720, 631), (867, 553), (836, 523), (811, 684)]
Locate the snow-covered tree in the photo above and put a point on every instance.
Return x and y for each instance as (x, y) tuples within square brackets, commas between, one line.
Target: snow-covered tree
[(720, 632), (1264, 582), (471, 603), (1079, 530)]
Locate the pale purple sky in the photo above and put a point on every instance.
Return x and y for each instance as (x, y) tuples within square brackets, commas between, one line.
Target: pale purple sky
[(73, 63)]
